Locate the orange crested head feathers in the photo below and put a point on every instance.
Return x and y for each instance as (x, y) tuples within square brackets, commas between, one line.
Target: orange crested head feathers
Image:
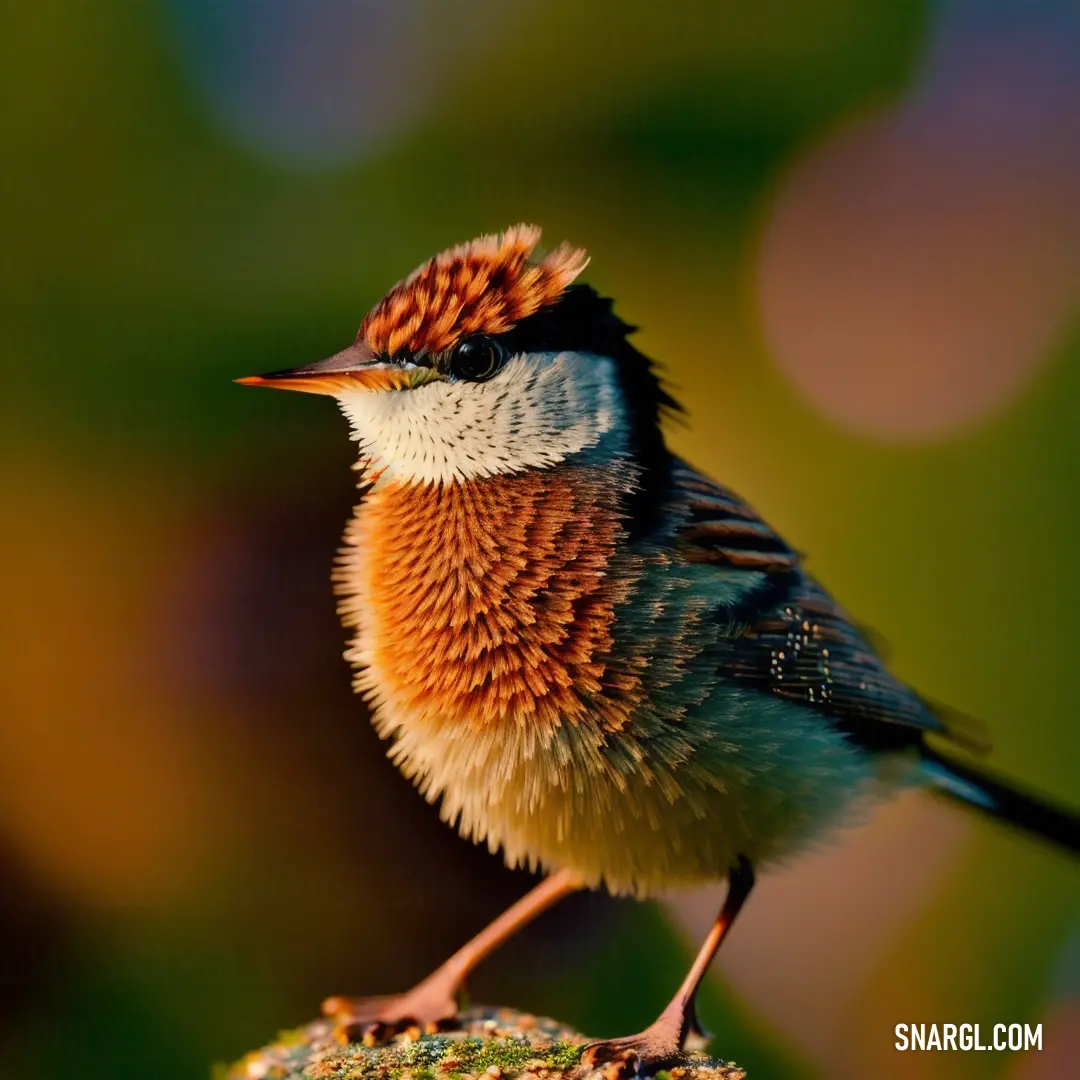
[(482, 287)]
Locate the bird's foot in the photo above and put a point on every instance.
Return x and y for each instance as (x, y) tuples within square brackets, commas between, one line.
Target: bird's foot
[(658, 1046), (697, 1037), (424, 1010)]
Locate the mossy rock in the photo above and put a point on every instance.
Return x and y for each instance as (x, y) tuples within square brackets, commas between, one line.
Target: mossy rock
[(491, 1044)]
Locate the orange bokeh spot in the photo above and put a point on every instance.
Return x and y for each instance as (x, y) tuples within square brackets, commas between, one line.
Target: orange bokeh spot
[(914, 277)]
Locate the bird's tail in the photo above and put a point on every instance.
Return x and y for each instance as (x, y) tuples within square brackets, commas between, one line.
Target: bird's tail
[(1001, 799)]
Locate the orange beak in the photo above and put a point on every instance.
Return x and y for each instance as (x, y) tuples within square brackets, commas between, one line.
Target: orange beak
[(354, 368)]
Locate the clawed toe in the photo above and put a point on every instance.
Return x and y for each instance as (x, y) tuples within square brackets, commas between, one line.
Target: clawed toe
[(697, 1037), (372, 1033), (637, 1055), (378, 1019), (613, 1062)]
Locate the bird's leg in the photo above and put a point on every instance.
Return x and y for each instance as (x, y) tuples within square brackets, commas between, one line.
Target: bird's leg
[(663, 1041), (433, 1003)]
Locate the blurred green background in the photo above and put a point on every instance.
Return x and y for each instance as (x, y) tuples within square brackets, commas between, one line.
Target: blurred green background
[(851, 232)]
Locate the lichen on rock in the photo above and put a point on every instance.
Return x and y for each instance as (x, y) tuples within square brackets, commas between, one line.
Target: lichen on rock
[(489, 1044)]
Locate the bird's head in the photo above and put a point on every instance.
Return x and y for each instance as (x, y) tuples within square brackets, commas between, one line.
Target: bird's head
[(487, 360)]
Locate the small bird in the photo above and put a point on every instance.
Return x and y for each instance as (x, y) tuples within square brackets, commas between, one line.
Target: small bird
[(596, 659)]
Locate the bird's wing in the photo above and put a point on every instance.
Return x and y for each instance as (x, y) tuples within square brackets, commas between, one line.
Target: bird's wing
[(719, 527), (790, 637)]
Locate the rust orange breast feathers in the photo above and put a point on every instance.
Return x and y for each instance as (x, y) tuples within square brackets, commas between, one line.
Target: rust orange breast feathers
[(490, 601)]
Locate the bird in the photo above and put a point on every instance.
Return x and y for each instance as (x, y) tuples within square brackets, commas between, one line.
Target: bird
[(598, 661)]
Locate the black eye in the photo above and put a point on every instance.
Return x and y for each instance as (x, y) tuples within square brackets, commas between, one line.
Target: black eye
[(475, 359)]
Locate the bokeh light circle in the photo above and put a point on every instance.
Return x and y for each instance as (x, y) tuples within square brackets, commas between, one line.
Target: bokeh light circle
[(916, 268)]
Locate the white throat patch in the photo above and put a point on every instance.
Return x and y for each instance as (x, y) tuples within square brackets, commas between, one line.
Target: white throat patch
[(540, 409)]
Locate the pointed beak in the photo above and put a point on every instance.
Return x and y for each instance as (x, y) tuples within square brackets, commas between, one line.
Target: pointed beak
[(354, 368)]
